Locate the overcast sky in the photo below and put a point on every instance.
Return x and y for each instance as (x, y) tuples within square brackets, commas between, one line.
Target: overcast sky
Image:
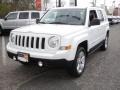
[(108, 2), (87, 2)]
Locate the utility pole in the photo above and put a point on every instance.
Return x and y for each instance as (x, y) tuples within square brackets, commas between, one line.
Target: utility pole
[(59, 3), (56, 3), (118, 9), (113, 7), (94, 3), (75, 2), (105, 4)]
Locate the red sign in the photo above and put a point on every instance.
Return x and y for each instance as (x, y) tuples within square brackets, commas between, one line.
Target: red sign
[(38, 4)]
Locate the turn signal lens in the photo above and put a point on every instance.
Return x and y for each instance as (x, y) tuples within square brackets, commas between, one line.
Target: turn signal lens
[(66, 47)]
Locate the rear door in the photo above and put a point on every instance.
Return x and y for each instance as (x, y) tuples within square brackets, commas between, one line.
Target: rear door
[(103, 25), (10, 21), (23, 19)]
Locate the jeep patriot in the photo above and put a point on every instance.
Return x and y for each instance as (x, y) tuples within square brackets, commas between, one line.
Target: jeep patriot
[(67, 34)]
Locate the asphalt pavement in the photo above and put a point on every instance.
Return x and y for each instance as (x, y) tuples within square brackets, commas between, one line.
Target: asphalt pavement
[(102, 71)]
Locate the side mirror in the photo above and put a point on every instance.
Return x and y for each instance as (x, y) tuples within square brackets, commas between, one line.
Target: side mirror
[(37, 21), (95, 22)]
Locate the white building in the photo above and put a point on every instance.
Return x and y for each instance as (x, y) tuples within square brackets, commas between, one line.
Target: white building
[(111, 9), (54, 3)]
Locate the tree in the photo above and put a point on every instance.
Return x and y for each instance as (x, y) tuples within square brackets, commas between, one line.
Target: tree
[(6, 6)]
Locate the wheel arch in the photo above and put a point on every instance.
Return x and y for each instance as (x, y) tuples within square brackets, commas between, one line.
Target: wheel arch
[(83, 44)]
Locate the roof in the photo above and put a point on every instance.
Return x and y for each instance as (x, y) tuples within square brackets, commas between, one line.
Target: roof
[(77, 7), (27, 11)]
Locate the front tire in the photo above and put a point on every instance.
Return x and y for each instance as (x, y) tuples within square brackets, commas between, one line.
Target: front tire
[(78, 65), (24, 63)]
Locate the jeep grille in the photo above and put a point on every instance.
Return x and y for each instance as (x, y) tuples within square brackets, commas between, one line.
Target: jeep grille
[(30, 42)]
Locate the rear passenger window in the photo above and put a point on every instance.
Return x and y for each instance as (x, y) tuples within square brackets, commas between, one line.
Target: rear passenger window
[(35, 15), (100, 15), (24, 15)]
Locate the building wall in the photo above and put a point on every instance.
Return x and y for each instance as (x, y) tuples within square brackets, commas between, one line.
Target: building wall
[(54, 3), (116, 12)]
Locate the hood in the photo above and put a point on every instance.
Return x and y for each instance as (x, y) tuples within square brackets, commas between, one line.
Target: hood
[(50, 29)]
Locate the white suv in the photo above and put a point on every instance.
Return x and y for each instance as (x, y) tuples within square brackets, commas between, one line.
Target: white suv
[(63, 34), (18, 19)]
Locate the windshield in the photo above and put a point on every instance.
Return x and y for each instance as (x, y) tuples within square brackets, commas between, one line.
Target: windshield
[(65, 16)]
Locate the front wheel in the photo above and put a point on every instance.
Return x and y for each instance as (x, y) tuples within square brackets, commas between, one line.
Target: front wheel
[(78, 65), (24, 63)]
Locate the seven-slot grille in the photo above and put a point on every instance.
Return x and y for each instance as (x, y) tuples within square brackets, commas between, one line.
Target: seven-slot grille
[(30, 41)]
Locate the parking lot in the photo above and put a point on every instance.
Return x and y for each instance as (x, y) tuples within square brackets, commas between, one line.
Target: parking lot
[(102, 71)]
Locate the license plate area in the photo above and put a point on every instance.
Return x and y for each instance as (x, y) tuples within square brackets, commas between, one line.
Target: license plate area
[(24, 57)]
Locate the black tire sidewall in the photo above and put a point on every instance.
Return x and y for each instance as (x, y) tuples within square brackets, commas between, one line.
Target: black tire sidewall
[(0, 30), (103, 46), (107, 41), (73, 70), (24, 63), (75, 61)]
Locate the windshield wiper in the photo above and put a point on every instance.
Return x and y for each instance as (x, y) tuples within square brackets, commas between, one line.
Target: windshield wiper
[(57, 23)]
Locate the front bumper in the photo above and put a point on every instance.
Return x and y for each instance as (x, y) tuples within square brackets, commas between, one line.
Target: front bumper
[(66, 55), (46, 62)]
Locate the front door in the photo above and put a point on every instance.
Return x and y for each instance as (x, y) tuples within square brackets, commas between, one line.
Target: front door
[(93, 30), (10, 21)]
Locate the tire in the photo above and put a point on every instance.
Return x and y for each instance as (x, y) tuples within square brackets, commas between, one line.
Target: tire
[(24, 63), (105, 43), (78, 65), (1, 31)]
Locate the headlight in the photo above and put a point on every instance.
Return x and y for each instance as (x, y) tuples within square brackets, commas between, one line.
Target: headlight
[(53, 42), (12, 37)]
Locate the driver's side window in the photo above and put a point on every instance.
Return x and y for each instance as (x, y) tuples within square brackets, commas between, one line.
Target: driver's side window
[(11, 16), (92, 15)]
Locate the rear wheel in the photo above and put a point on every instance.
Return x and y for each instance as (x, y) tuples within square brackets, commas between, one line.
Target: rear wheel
[(105, 43), (0, 30), (78, 65)]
